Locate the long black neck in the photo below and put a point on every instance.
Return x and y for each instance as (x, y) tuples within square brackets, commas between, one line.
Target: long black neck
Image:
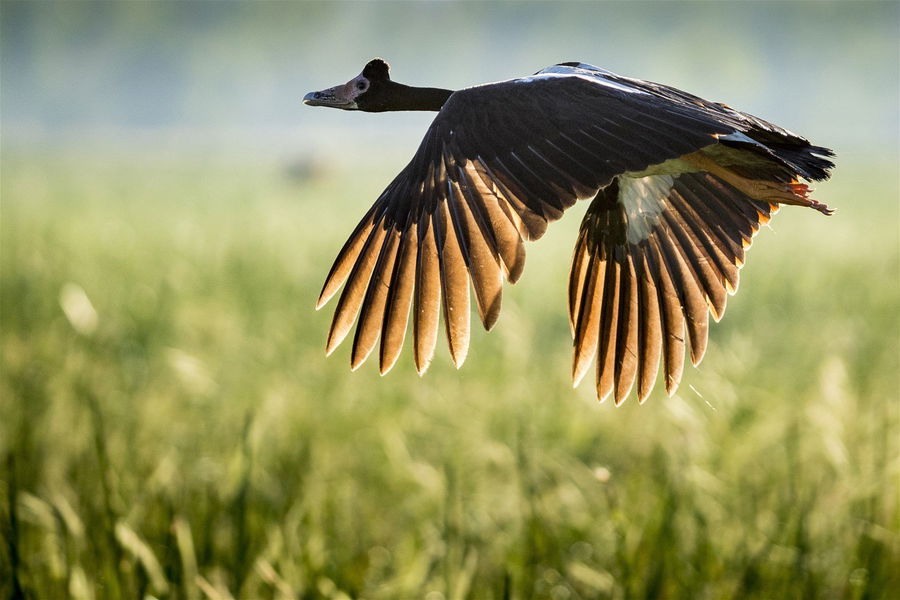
[(396, 96)]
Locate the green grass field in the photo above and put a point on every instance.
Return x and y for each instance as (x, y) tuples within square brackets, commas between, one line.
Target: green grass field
[(171, 427)]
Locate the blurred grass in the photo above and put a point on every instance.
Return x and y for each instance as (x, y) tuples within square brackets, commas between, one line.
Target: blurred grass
[(171, 427)]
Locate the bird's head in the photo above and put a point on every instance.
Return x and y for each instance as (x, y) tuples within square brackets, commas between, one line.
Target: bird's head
[(363, 92)]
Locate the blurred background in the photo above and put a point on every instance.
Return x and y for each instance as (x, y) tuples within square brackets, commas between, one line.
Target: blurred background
[(172, 429)]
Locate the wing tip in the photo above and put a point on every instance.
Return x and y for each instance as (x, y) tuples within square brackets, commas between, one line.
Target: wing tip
[(515, 272), (421, 365), (697, 356), (331, 345), (322, 300), (385, 368), (388, 356), (580, 367), (458, 358), (672, 385), (491, 315), (356, 361)]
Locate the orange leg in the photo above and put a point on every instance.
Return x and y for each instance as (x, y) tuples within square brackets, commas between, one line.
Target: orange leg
[(795, 192)]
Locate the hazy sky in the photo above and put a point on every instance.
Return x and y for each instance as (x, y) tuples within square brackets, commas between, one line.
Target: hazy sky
[(231, 76)]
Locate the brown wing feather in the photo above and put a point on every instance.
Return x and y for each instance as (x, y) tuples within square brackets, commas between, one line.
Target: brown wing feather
[(577, 273), (650, 331), (347, 257), (672, 319), (480, 260), (697, 256), (396, 312), (627, 336), (371, 317), (725, 271), (355, 289), (427, 297), (609, 328), (586, 318), (688, 290), (484, 199), (454, 286)]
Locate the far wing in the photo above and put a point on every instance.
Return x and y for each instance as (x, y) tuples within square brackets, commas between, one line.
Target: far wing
[(644, 281)]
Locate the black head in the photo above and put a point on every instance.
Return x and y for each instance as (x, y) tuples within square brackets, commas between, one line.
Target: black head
[(373, 91), (364, 92), (377, 70)]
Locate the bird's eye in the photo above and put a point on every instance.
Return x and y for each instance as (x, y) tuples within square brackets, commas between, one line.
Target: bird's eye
[(361, 85)]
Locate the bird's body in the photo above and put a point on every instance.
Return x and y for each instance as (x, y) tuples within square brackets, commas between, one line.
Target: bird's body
[(679, 186)]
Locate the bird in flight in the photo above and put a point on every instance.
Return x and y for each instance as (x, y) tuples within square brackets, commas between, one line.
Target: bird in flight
[(678, 187)]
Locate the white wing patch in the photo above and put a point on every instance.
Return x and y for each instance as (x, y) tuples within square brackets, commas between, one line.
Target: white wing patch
[(569, 69), (618, 86), (542, 75), (585, 71), (642, 198), (737, 136)]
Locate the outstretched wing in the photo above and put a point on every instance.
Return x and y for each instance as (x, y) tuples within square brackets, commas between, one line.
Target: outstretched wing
[(655, 255), (498, 163)]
